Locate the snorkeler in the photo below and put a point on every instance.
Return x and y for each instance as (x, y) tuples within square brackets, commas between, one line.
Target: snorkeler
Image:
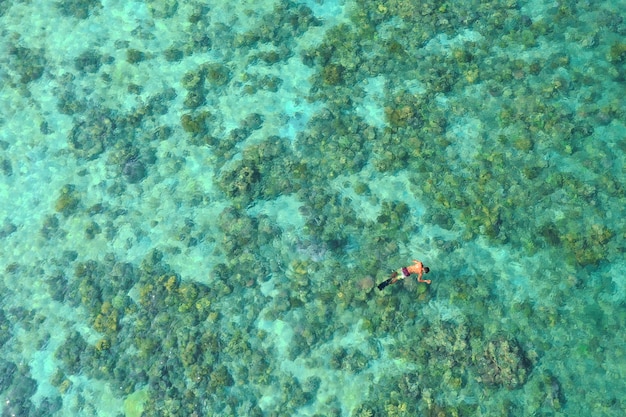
[(417, 268)]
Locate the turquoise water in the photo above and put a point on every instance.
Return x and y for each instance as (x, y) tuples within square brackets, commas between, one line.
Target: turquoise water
[(199, 198)]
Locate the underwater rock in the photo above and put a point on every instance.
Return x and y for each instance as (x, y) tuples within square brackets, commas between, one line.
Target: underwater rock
[(89, 137), (22, 388), (216, 74), (162, 9), (28, 63), (134, 170), (49, 406), (89, 62), (220, 378), (7, 229), (241, 181), (68, 200), (134, 56), (71, 352), (5, 167), (80, 9), (7, 370), (173, 54), (312, 384)]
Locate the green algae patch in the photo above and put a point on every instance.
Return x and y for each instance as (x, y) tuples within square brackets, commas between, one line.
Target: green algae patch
[(134, 403)]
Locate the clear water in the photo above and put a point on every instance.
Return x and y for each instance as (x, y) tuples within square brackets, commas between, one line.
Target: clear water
[(199, 198)]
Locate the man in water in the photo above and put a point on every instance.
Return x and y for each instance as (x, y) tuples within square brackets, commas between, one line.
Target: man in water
[(417, 268)]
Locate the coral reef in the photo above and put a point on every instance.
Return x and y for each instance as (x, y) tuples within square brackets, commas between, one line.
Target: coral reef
[(28, 63), (89, 62), (80, 9), (90, 136), (452, 131), (68, 200), (503, 364)]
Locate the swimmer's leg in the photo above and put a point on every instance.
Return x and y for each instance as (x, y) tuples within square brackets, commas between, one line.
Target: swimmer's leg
[(388, 281), (383, 284)]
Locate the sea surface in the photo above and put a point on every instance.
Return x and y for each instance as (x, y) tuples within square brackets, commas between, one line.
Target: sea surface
[(198, 200)]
